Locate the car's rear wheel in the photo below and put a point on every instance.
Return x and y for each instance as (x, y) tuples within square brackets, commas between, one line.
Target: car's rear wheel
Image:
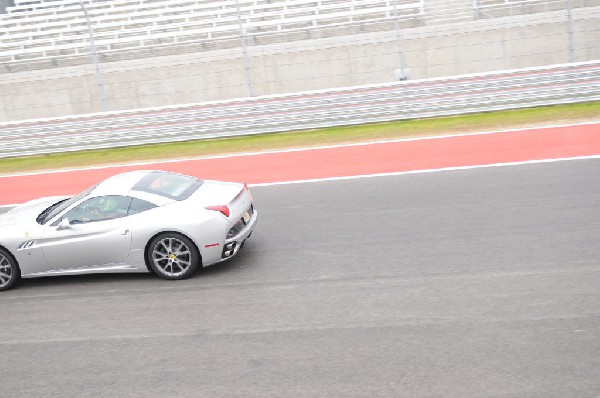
[(9, 270), (173, 256)]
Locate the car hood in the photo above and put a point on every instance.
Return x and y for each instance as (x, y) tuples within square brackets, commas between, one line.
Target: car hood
[(28, 212)]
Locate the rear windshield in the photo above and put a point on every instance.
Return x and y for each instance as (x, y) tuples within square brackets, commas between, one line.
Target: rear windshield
[(170, 185)]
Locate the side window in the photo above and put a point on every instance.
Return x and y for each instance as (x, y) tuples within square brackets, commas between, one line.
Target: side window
[(139, 205), (99, 208)]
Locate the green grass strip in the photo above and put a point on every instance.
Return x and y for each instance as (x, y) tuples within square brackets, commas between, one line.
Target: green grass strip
[(552, 115)]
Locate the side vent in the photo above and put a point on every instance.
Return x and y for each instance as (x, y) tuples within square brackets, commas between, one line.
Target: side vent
[(27, 244)]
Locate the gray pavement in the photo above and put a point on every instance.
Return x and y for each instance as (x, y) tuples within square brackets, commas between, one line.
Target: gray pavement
[(474, 283)]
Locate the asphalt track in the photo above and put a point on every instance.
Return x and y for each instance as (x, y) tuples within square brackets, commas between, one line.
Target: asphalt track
[(466, 283)]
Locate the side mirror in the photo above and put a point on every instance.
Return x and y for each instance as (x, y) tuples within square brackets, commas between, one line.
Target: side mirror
[(64, 224)]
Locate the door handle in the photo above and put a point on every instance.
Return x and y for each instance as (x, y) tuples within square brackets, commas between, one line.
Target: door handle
[(125, 232)]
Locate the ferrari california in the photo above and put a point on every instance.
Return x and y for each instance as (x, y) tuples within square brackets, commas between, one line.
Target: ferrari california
[(141, 221)]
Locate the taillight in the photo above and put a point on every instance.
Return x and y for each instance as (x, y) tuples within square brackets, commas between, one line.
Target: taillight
[(222, 209)]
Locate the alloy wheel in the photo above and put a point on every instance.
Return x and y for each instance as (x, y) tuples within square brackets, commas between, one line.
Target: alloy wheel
[(6, 271), (171, 256)]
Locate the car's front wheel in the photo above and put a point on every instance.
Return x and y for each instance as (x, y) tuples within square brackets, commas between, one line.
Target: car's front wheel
[(173, 256), (9, 270)]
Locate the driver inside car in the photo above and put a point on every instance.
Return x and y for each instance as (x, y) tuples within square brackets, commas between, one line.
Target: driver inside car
[(97, 209)]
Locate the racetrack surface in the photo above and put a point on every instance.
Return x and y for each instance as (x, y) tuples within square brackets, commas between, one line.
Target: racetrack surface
[(555, 142), (468, 283)]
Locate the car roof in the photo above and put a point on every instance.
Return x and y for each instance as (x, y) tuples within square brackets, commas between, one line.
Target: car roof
[(128, 184), (120, 184)]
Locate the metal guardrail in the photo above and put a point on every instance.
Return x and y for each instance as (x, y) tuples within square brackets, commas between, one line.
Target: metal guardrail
[(558, 84)]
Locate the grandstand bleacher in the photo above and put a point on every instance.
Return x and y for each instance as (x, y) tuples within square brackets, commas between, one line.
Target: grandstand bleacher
[(47, 33), (38, 34)]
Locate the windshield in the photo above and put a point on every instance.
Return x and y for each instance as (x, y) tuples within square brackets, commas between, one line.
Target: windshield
[(58, 207)]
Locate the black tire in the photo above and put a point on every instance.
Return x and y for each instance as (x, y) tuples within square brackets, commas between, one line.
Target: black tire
[(10, 274), (173, 256)]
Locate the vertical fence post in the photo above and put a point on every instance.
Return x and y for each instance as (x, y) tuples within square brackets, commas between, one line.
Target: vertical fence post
[(99, 80), (570, 33), (475, 6), (244, 52), (4, 4), (402, 75)]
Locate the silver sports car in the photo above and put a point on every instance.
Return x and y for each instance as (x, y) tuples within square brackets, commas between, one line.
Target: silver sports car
[(140, 221)]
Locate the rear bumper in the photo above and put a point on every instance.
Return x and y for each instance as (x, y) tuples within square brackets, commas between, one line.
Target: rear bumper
[(235, 243)]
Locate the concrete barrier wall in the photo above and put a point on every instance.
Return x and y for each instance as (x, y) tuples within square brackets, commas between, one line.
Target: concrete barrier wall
[(369, 58)]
